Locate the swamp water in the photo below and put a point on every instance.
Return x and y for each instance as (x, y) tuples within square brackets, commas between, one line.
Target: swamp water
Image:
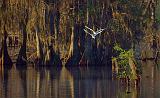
[(76, 83)]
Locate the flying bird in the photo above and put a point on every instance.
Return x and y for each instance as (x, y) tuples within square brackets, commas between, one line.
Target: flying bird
[(95, 33)]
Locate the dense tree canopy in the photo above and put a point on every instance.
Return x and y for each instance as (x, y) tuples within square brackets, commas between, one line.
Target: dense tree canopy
[(53, 30)]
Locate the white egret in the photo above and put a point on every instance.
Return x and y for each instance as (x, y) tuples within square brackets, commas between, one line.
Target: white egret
[(95, 33)]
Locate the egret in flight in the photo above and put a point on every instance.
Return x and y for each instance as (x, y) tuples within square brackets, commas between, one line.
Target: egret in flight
[(95, 33)]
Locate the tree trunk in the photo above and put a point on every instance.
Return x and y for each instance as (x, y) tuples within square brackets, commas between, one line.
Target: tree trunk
[(22, 57), (74, 52), (53, 59), (5, 59), (56, 27), (40, 55)]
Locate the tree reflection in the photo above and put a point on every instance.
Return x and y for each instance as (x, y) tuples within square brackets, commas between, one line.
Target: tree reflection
[(5, 83), (75, 83), (23, 79)]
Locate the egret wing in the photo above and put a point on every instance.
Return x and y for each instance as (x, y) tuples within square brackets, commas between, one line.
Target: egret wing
[(87, 32), (99, 31), (90, 29)]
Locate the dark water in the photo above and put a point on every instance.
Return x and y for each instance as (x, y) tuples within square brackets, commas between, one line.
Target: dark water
[(76, 83)]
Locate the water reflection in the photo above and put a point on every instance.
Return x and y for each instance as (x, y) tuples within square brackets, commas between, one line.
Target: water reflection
[(75, 83), (150, 84)]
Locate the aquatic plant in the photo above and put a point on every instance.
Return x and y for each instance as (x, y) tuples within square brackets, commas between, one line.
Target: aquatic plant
[(125, 62)]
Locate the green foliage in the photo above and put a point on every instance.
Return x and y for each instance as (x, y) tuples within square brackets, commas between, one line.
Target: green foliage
[(123, 60)]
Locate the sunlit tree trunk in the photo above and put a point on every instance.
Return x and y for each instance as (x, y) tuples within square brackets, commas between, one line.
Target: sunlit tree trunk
[(40, 55)]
